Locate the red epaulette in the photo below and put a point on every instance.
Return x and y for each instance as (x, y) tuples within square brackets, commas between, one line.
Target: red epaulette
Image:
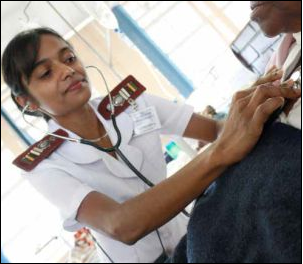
[(30, 158), (124, 95)]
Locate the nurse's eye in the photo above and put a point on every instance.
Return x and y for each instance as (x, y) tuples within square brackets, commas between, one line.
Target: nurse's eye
[(71, 59), (45, 74)]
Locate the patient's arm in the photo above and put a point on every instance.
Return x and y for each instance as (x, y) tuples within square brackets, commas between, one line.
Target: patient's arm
[(253, 214)]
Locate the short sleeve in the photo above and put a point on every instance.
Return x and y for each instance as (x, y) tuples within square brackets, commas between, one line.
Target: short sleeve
[(63, 191), (174, 117)]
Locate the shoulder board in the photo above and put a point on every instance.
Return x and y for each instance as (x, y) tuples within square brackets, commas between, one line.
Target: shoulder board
[(124, 95), (30, 158)]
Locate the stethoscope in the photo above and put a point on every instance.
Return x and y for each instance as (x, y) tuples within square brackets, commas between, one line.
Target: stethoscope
[(115, 148), (296, 77)]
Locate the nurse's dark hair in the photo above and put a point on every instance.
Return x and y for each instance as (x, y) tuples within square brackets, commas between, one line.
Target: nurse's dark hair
[(18, 60)]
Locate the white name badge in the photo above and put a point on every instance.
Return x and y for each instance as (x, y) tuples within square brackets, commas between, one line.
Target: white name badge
[(145, 121)]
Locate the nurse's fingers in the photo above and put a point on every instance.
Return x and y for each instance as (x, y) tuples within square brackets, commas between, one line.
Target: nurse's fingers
[(263, 92), (269, 77), (271, 69), (242, 94), (264, 111), (265, 80)]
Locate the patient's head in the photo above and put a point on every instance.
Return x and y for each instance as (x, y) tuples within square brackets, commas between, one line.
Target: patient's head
[(275, 17)]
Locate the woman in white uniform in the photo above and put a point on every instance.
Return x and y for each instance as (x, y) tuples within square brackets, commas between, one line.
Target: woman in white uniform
[(132, 222)]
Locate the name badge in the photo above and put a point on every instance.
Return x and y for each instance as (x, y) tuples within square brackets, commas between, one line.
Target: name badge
[(145, 121)]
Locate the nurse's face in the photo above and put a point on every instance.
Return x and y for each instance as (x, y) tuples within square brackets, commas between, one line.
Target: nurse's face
[(58, 83), (275, 17)]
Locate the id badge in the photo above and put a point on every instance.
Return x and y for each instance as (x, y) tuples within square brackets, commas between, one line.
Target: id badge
[(145, 121)]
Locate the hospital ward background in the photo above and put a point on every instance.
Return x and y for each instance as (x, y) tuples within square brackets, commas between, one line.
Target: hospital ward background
[(194, 52)]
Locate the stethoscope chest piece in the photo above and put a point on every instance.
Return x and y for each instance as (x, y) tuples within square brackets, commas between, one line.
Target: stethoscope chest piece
[(296, 77)]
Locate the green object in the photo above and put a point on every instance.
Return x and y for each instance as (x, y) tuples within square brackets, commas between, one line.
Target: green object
[(173, 149)]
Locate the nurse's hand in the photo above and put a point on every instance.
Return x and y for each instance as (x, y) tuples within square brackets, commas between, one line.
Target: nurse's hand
[(249, 112), (272, 75)]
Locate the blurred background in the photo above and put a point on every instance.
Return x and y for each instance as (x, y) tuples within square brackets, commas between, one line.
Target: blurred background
[(194, 52)]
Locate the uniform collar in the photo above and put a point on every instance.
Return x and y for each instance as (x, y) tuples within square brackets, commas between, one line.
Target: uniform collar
[(84, 154)]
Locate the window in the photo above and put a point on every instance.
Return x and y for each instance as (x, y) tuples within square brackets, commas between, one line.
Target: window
[(197, 36)]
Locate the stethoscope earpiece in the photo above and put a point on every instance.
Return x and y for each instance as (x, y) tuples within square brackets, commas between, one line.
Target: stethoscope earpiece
[(26, 107)]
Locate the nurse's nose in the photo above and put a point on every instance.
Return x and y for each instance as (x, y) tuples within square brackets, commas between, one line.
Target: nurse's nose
[(68, 72), (65, 71)]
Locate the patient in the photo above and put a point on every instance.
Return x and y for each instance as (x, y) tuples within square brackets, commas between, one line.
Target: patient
[(253, 213)]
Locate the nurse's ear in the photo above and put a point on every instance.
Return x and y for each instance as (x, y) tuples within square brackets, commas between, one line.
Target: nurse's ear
[(23, 101)]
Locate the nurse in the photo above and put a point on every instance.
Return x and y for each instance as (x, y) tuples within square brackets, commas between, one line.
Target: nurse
[(131, 222)]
